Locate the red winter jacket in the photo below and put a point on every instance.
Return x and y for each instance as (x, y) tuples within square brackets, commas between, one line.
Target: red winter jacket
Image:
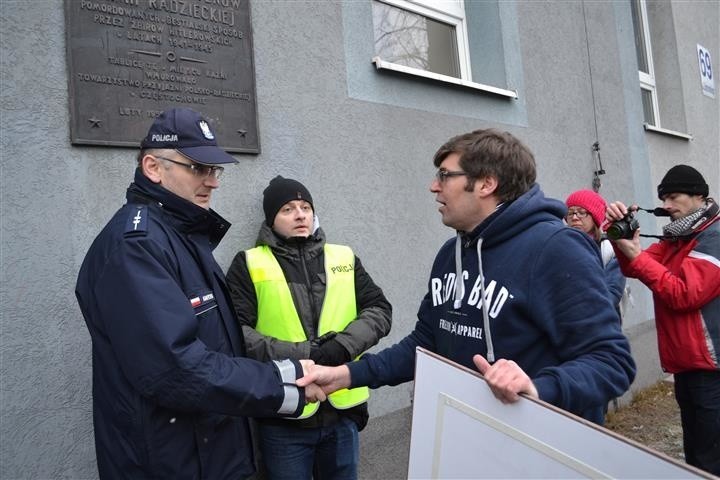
[(684, 276)]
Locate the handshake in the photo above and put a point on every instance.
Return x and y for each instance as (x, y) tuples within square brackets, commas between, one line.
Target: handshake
[(320, 381), (325, 372), (506, 379)]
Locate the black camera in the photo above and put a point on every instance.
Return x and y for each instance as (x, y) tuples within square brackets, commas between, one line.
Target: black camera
[(624, 228)]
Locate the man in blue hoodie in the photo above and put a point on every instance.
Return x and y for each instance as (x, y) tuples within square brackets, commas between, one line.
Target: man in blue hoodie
[(546, 326)]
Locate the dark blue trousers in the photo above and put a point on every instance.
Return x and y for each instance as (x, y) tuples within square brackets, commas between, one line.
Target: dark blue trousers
[(320, 453), (698, 394)]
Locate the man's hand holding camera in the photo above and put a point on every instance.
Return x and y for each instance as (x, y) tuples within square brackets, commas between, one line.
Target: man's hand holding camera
[(621, 217)]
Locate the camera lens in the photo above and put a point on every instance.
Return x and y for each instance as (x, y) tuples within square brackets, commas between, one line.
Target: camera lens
[(624, 228), (616, 231)]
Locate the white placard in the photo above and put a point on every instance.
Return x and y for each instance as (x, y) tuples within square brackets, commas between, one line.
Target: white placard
[(707, 76), (460, 430)]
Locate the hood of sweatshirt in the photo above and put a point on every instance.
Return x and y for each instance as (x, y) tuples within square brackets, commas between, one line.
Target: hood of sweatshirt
[(511, 218)]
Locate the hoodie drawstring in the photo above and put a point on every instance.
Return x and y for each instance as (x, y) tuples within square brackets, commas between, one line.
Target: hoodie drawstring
[(486, 317), (460, 292), (459, 283)]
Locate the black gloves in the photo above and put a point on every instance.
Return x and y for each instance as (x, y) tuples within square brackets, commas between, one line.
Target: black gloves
[(326, 350), (317, 342)]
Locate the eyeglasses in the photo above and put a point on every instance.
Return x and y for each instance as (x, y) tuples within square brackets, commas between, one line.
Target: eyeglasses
[(199, 170), (579, 213), (442, 175)]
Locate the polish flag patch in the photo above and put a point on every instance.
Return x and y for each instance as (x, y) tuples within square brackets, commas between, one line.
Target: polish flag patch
[(195, 302)]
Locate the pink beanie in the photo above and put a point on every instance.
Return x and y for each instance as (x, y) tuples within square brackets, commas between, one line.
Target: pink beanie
[(590, 201)]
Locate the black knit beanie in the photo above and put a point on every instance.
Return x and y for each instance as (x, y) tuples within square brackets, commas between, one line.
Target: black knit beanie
[(281, 191), (683, 179)]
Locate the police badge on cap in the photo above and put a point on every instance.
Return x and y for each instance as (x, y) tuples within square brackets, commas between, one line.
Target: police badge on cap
[(206, 130)]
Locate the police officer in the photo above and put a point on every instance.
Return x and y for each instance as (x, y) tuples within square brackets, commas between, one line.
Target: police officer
[(300, 297), (169, 384)]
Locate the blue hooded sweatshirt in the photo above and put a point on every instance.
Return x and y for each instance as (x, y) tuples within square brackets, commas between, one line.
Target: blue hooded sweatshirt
[(548, 309)]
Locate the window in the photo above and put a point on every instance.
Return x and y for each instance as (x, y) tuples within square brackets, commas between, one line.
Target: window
[(646, 69), (661, 90), (426, 38), (413, 34)]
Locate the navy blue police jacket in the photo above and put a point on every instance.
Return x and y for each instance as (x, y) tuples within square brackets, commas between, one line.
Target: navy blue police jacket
[(170, 389)]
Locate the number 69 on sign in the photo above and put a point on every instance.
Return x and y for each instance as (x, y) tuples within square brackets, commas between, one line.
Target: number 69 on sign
[(706, 71)]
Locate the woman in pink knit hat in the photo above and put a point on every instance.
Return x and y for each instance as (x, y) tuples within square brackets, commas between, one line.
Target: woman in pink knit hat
[(586, 212)]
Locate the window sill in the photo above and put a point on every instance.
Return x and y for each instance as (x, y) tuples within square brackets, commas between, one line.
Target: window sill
[(665, 131), (381, 64)]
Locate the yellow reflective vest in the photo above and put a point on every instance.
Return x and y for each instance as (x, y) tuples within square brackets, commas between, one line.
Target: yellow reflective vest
[(277, 316)]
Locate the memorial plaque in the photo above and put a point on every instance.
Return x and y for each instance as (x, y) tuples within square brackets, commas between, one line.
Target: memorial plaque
[(128, 60)]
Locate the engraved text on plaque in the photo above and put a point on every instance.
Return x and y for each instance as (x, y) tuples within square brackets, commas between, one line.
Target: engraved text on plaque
[(128, 60)]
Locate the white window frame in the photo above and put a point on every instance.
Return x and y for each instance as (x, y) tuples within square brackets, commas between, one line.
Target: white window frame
[(647, 79), (451, 12)]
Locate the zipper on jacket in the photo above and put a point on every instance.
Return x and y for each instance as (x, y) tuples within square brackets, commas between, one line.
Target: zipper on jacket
[(308, 283)]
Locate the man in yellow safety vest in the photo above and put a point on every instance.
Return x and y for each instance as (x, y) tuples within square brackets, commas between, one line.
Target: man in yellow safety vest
[(299, 297)]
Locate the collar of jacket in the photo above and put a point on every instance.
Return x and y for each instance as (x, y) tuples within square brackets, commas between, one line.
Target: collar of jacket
[(311, 246), (185, 215), (470, 238), (516, 216)]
